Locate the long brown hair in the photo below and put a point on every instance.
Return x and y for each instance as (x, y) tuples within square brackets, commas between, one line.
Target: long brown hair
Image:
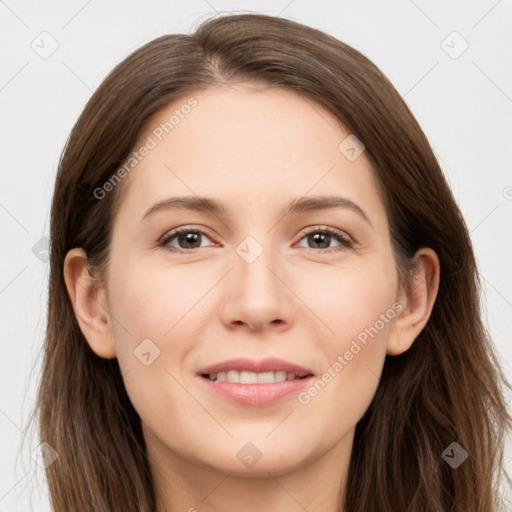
[(447, 388)]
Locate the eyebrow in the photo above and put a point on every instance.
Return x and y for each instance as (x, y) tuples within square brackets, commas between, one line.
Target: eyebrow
[(300, 205)]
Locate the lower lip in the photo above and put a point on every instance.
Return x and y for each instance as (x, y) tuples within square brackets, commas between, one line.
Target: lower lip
[(256, 394)]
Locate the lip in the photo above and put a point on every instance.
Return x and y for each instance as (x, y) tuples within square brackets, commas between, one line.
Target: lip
[(269, 364), (256, 394)]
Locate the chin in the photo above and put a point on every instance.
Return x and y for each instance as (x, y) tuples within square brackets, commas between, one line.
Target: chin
[(257, 457)]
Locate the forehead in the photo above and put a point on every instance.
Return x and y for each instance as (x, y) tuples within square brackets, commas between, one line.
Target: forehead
[(256, 146)]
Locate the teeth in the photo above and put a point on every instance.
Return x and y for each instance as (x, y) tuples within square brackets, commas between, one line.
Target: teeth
[(280, 376), (248, 378), (232, 376), (245, 377), (265, 377)]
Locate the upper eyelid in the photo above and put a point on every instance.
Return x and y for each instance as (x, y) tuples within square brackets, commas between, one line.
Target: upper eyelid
[(173, 232)]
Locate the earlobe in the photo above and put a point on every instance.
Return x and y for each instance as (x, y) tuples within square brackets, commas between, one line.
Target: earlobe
[(417, 303), (89, 302)]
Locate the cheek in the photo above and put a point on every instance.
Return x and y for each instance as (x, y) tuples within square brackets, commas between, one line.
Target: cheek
[(149, 299), (358, 308), (149, 312), (149, 324), (349, 298)]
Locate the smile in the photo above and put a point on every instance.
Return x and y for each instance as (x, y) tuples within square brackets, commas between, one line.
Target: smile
[(246, 377)]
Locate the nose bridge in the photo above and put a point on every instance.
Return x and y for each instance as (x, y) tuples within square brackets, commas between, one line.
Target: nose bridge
[(258, 296), (254, 259)]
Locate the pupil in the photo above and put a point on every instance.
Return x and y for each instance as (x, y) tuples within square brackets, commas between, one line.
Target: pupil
[(321, 238), (190, 238)]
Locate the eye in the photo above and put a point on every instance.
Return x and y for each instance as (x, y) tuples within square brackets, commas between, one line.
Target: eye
[(189, 239), (323, 236), (186, 238)]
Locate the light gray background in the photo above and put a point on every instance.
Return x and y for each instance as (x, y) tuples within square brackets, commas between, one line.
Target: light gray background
[(464, 105)]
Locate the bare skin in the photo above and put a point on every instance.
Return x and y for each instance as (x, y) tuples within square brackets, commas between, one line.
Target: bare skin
[(255, 151)]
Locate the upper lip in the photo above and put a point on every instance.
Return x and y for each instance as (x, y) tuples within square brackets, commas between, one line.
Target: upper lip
[(270, 364)]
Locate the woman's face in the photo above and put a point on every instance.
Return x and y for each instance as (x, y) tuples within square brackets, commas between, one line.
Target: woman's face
[(258, 278)]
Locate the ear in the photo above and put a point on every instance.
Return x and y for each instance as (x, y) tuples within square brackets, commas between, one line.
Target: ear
[(90, 304), (417, 303)]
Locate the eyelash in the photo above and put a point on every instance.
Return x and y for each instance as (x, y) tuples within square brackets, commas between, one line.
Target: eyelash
[(344, 240)]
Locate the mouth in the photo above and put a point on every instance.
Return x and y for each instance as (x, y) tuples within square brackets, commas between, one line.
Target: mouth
[(246, 377), (250, 371), (256, 383)]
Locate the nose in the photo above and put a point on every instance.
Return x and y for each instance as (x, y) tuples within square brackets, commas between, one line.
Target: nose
[(257, 296)]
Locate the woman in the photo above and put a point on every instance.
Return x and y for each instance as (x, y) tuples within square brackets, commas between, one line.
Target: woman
[(203, 352)]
